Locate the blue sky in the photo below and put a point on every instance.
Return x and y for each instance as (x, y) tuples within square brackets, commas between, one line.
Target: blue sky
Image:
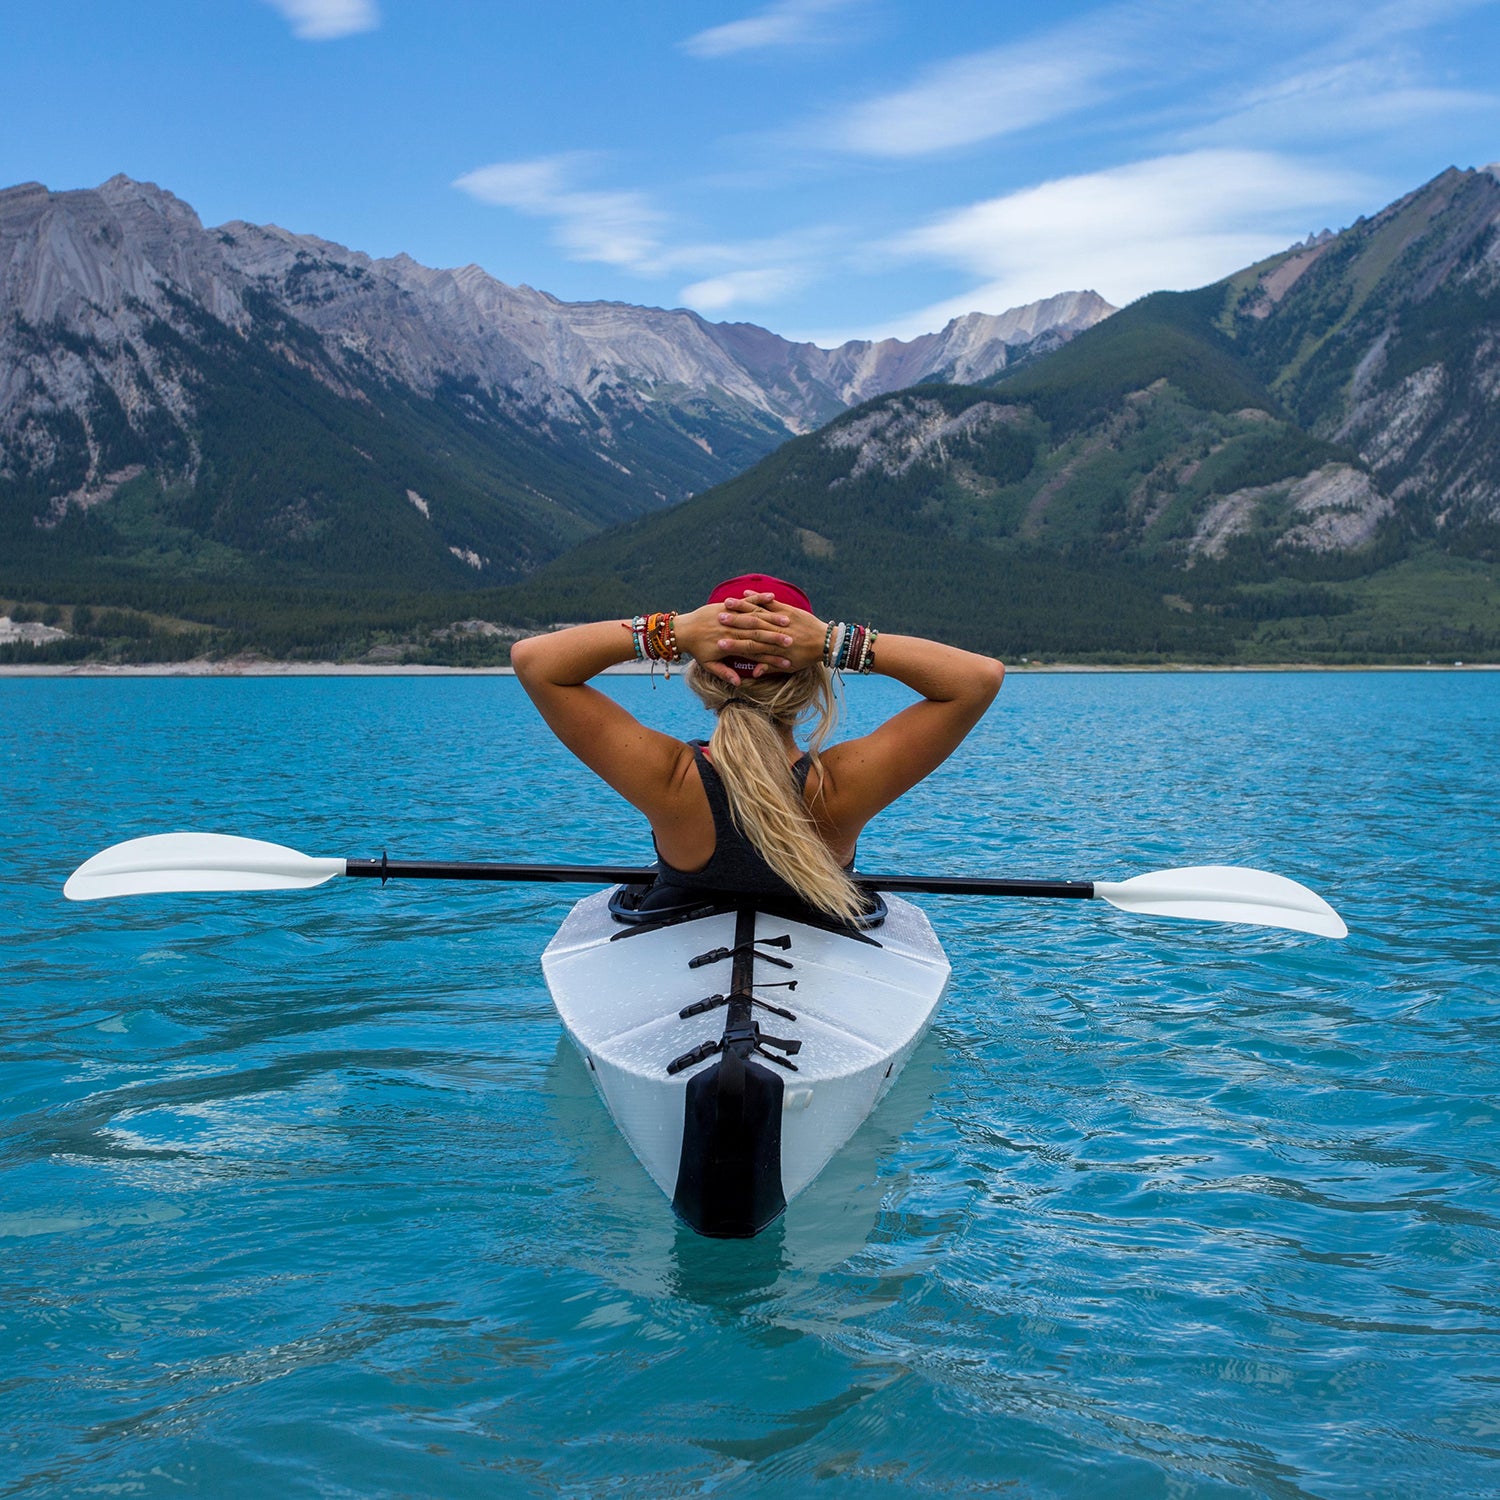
[(826, 168)]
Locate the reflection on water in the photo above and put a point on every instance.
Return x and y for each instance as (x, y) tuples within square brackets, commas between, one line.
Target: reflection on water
[(820, 1229), (304, 1194)]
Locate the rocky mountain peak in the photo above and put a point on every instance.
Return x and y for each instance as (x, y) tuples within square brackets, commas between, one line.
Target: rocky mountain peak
[(124, 193), (72, 254), (128, 329), (23, 197)]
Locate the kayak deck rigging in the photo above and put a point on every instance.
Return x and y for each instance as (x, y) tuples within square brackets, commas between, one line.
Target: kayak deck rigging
[(741, 1030), (730, 1127)]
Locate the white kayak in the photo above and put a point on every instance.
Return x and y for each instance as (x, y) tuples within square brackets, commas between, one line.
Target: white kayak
[(738, 1049)]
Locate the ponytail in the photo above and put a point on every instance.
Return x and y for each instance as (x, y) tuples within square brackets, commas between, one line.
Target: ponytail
[(749, 754)]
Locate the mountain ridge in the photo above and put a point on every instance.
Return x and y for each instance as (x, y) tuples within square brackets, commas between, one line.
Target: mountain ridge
[(1298, 462), (579, 343), (135, 343)]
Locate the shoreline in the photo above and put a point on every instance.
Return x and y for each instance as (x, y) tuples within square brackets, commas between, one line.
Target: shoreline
[(258, 668)]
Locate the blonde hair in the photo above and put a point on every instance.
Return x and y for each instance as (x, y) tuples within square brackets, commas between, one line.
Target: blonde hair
[(749, 754)]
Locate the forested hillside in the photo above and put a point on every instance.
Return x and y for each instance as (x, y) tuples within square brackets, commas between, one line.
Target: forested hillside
[(190, 412), (1298, 463)]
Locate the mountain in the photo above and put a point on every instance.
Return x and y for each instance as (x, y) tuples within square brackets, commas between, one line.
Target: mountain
[(813, 385), (1386, 338), (1297, 462), (247, 404)]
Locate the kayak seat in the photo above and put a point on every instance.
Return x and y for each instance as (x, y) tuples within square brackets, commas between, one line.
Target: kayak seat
[(649, 902)]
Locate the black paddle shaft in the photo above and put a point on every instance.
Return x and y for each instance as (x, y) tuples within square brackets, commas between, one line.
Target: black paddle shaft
[(964, 885), (384, 869)]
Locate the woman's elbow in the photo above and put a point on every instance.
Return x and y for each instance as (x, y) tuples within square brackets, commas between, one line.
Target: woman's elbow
[(988, 677), (523, 657)]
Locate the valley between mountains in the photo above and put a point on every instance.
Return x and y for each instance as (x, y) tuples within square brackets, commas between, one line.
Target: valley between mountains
[(239, 439)]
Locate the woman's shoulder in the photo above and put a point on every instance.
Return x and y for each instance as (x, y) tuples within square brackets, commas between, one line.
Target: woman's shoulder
[(692, 768)]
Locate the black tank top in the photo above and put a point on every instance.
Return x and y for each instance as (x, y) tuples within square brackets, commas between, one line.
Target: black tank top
[(736, 864)]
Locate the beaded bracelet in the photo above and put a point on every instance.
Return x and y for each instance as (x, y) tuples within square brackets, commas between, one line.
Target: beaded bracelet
[(856, 652), (838, 634), (654, 637), (637, 629), (849, 647), (661, 637), (836, 643)]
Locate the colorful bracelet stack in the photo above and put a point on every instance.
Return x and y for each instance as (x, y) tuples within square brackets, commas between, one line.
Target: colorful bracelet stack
[(849, 648), (655, 636)]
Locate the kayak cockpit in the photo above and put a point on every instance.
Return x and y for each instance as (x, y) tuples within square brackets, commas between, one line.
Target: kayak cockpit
[(649, 904)]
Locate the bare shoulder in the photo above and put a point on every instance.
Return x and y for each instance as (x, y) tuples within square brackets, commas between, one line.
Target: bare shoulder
[(861, 776), (682, 797)]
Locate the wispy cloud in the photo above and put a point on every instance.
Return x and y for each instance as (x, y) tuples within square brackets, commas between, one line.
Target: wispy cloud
[(1232, 118), (1336, 101), (753, 287), (1170, 222), (325, 20), (979, 97), (626, 229), (787, 23), (618, 228), (1342, 66), (1370, 25)]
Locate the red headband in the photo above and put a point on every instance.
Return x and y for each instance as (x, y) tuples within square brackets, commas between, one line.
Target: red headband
[(758, 583), (761, 583)]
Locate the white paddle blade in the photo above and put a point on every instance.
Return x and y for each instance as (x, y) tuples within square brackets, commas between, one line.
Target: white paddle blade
[(1226, 893), (196, 862)]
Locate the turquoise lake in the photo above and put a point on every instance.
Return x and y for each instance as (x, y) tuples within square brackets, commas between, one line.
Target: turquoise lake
[(303, 1194)]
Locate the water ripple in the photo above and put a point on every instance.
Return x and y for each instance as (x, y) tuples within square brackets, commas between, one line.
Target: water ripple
[(302, 1193)]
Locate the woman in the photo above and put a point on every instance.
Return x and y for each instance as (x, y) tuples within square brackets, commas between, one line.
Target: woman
[(749, 812)]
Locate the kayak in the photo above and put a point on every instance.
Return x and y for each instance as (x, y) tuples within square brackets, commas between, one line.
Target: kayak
[(737, 1044)]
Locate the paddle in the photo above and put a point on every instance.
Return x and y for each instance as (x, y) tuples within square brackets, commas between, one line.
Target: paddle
[(224, 862)]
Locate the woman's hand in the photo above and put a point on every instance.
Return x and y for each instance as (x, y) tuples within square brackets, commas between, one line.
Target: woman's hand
[(776, 637), (797, 635)]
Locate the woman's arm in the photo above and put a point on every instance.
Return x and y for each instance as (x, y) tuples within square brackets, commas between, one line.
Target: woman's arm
[(956, 687), (864, 775)]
